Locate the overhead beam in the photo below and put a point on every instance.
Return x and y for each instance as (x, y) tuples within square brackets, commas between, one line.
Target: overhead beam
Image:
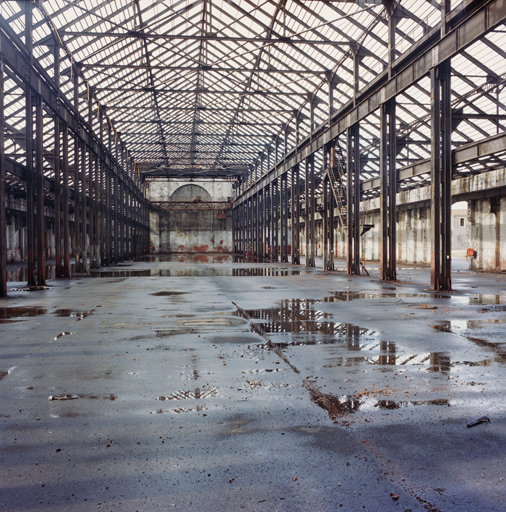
[(199, 37), (201, 91), (196, 69), (189, 134), (202, 109), (464, 154)]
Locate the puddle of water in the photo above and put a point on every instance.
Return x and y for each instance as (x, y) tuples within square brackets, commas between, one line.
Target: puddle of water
[(335, 406), (243, 338), (166, 293), (480, 300), (218, 321), (73, 313), (460, 327), (111, 397), (7, 314), (165, 333), (190, 258), (435, 361), (347, 296), (18, 274), (303, 321), (191, 394), (392, 404), (121, 273), (196, 271)]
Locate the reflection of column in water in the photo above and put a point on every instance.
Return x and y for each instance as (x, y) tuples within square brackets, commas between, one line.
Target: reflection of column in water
[(440, 362), (352, 337), (389, 358), (195, 375)]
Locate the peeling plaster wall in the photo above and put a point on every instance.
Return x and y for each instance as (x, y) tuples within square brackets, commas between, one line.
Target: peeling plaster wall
[(488, 232), (192, 230), (484, 227)]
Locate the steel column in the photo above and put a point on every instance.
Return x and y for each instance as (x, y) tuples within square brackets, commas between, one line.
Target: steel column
[(441, 176), (283, 201), (353, 199), (274, 220), (332, 206), (30, 199), (116, 253), (30, 193), (65, 201), (295, 216), (39, 185), (310, 212), (325, 223), (388, 191), (57, 171), (259, 226), (3, 202)]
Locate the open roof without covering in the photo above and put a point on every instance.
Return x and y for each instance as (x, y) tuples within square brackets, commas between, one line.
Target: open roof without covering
[(203, 88)]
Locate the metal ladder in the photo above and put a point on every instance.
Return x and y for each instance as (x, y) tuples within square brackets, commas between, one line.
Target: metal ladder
[(337, 179), (337, 175)]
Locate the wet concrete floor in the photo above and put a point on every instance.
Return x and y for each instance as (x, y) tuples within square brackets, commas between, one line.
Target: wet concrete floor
[(206, 385)]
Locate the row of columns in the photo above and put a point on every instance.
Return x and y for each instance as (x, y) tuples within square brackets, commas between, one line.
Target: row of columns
[(248, 239), (110, 211), (259, 221)]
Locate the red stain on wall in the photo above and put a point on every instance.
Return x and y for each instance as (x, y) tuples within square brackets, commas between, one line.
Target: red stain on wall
[(181, 247), (202, 258), (201, 248)]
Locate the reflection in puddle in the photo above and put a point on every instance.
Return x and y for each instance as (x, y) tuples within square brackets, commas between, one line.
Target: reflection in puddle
[(190, 394), (439, 362), (300, 318), (198, 271), (475, 300), (392, 404), (19, 312), (166, 293), (20, 274), (461, 327), (335, 406), (339, 406), (436, 361), (73, 313), (190, 258)]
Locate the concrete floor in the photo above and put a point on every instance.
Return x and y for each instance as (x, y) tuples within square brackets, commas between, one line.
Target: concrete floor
[(222, 386)]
